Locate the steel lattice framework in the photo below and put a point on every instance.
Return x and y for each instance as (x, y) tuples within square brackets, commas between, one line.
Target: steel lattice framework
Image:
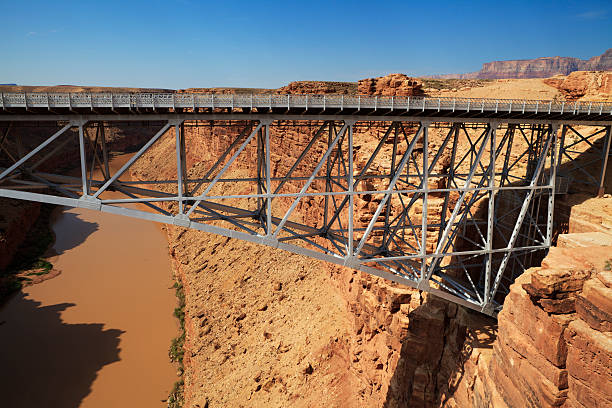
[(454, 196)]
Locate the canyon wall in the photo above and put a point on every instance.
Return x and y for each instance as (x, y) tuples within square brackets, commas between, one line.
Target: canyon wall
[(268, 328), (554, 344), (584, 86), (282, 329), (536, 68)]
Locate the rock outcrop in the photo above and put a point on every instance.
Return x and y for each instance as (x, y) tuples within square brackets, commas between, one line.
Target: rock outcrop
[(584, 85), (390, 85), (554, 345)]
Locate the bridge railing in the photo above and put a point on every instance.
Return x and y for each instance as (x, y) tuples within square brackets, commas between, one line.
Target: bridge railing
[(356, 102)]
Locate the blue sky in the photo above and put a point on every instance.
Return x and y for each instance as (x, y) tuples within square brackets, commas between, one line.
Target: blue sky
[(189, 43)]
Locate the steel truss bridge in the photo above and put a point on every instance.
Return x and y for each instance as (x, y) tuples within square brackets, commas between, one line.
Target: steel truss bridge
[(451, 196)]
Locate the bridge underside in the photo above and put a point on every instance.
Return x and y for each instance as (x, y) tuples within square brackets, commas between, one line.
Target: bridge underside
[(455, 208)]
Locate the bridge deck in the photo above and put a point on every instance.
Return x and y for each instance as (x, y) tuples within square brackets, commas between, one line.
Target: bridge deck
[(32, 104)]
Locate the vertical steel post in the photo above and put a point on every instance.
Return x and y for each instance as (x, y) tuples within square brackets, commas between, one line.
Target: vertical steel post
[(349, 176), (260, 166), (94, 158), (83, 159), (268, 182), (395, 127), (179, 165), (486, 304), (425, 187), (184, 159), (104, 151), (328, 187), (554, 158), (606, 155)]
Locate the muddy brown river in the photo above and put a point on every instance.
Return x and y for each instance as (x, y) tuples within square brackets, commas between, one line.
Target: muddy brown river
[(98, 334)]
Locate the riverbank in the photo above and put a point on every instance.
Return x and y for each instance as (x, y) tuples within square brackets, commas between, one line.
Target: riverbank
[(27, 265), (98, 334)]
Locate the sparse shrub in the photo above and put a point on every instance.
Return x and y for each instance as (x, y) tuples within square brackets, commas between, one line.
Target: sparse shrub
[(177, 351), (176, 397)]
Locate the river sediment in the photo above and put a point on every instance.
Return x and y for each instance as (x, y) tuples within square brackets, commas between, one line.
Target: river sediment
[(98, 334)]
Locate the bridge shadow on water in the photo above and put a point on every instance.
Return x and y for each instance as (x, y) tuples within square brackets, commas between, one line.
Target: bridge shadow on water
[(74, 231), (45, 362)]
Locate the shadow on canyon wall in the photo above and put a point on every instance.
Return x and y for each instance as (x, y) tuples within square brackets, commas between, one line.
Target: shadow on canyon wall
[(432, 356), (45, 362), (438, 344)]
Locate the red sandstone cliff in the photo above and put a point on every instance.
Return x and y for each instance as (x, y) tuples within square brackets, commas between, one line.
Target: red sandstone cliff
[(536, 68), (554, 344), (280, 329), (390, 85), (584, 85)]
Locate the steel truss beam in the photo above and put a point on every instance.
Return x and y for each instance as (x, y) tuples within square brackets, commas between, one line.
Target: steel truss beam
[(459, 218)]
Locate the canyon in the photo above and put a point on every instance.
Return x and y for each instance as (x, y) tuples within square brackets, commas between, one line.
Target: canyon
[(266, 328)]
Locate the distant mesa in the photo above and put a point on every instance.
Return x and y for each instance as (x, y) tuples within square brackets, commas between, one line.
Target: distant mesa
[(543, 67), (8, 84)]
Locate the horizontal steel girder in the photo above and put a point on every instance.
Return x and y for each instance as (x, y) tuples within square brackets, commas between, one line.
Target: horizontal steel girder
[(457, 218)]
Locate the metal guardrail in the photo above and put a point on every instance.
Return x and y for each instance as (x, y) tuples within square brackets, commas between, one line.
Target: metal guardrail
[(341, 102)]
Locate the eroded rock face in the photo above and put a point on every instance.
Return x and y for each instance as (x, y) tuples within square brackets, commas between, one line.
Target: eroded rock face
[(285, 330), (314, 334), (16, 219), (550, 356), (584, 84), (536, 68), (390, 85)]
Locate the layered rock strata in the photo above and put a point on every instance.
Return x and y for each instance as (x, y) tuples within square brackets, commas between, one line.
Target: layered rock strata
[(554, 345), (536, 68)]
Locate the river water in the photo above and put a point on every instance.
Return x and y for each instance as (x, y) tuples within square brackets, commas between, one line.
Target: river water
[(98, 334)]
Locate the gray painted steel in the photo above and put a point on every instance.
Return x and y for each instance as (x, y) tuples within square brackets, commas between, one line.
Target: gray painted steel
[(462, 256), (415, 106)]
